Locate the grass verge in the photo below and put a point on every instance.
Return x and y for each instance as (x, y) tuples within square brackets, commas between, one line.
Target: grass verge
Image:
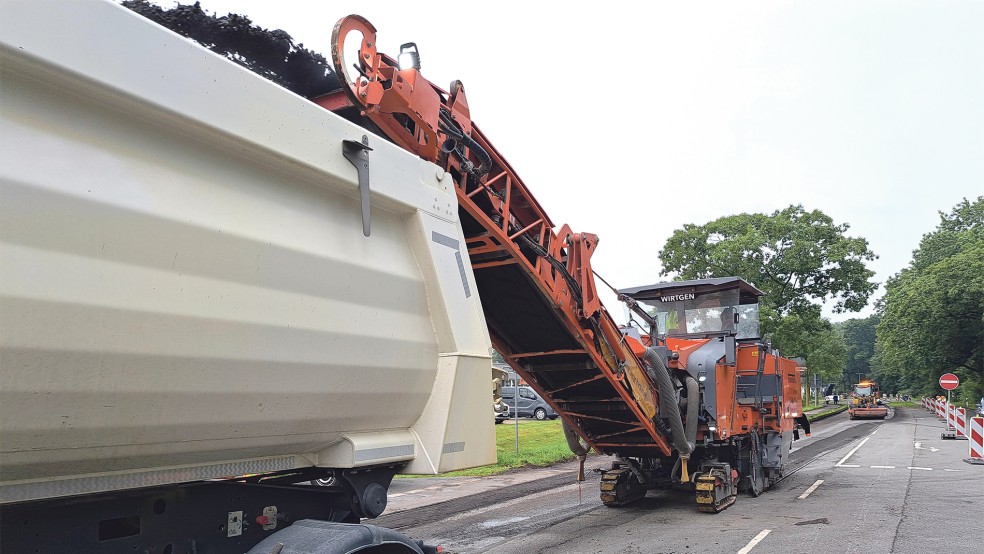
[(827, 413), (541, 444), (909, 404)]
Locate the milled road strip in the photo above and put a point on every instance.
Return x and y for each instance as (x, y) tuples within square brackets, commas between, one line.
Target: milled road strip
[(751, 544), (810, 490), (522, 499), (851, 453)]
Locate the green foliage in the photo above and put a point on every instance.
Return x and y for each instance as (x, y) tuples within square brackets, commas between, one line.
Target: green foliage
[(799, 259), (804, 333), (859, 342), (933, 311)]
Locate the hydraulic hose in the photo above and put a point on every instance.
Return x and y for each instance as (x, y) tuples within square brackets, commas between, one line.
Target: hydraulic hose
[(453, 130)]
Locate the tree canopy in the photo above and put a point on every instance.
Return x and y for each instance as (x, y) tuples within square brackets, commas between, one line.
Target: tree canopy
[(859, 342), (800, 259), (796, 257), (933, 311)]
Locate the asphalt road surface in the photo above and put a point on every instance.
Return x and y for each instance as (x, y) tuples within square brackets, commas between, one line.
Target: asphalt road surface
[(890, 486)]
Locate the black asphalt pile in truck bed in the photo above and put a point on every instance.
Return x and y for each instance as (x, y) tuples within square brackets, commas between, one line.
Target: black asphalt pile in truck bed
[(269, 53)]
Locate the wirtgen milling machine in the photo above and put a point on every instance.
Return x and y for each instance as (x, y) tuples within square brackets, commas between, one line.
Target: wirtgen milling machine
[(691, 402), (695, 402), (729, 400)]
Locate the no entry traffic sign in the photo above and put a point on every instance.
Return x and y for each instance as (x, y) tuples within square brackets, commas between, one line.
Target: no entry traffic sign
[(949, 381)]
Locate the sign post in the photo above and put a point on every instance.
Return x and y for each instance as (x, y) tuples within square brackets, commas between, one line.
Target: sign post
[(949, 381)]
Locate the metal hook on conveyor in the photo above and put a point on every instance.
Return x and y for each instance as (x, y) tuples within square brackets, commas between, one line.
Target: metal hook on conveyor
[(368, 90)]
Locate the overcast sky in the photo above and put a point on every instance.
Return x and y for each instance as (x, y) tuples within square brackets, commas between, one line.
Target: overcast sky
[(629, 119)]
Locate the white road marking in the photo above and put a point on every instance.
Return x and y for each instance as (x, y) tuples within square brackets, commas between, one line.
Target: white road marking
[(919, 446), (893, 467), (851, 453), (875, 431), (751, 544), (810, 490)]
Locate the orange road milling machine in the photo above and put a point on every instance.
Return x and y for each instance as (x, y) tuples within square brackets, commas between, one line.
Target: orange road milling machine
[(692, 400), (691, 396), (866, 402)]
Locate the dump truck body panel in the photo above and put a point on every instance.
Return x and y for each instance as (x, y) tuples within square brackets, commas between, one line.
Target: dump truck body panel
[(186, 288)]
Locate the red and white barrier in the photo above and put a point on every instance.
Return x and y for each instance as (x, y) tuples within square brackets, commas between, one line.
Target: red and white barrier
[(960, 422), (976, 440), (951, 416)]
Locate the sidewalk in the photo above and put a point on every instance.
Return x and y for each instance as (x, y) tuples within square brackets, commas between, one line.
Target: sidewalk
[(408, 493)]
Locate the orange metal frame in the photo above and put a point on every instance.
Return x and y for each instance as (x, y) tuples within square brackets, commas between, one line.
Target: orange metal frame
[(407, 108)]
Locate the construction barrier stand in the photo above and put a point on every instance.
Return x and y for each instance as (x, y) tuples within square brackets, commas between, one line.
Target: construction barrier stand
[(976, 440)]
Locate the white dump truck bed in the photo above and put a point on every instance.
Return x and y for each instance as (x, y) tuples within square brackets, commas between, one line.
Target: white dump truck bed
[(185, 288)]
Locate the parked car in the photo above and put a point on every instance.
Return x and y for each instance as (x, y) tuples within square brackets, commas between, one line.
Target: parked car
[(529, 404)]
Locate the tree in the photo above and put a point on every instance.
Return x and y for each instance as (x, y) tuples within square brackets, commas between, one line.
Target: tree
[(797, 258), (859, 343), (933, 310)]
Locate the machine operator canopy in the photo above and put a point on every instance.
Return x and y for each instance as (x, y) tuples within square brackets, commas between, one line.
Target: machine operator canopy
[(727, 305), (862, 389)]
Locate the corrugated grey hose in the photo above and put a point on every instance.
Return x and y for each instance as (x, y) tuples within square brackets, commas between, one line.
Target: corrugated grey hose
[(693, 410), (668, 408)]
